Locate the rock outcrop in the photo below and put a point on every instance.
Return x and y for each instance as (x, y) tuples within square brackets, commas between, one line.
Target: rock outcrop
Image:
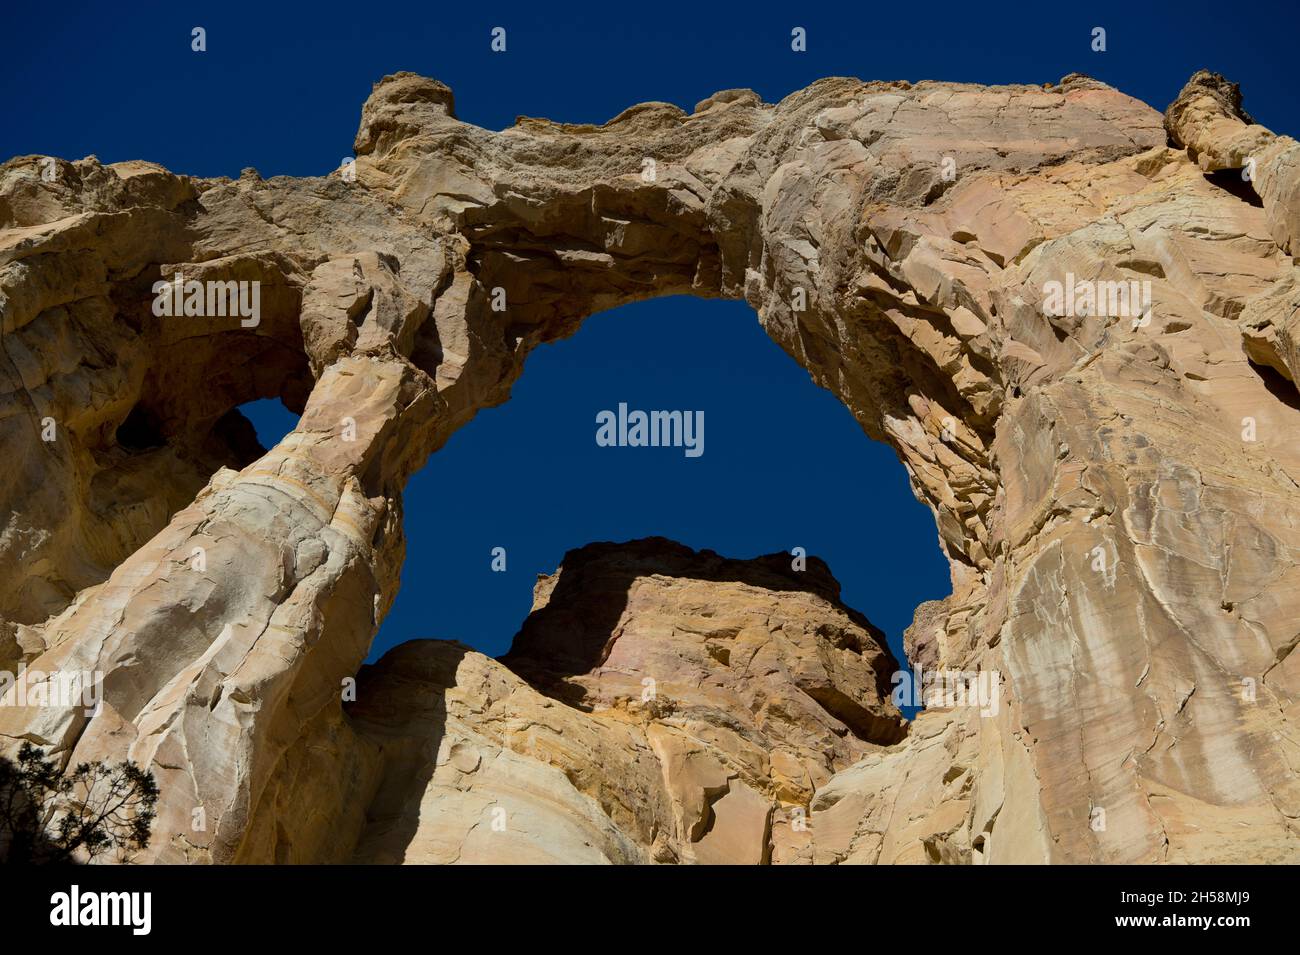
[(659, 705), (1073, 321)]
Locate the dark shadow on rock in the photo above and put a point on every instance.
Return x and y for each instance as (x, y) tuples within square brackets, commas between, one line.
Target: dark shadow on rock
[(1277, 384), (1232, 181), (400, 708), (23, 839)]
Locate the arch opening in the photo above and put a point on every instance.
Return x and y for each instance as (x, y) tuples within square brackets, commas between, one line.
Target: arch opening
[(783, 467)]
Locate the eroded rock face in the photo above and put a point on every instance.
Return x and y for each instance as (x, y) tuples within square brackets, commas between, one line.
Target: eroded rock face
[(721, 695), (1114, 485)]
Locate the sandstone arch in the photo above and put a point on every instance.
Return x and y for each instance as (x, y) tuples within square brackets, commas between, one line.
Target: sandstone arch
[(1038, 441)]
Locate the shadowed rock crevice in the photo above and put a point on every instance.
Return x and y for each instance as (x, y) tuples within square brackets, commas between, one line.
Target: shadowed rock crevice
[(1278, 385), (1232, 180)]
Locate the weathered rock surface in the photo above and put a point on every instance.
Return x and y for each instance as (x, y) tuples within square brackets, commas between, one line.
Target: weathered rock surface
[(1115, 488), (682, 708)]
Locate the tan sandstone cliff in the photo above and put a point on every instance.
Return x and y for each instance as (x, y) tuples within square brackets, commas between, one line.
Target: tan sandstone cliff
[(659, 705), (1116, 493)]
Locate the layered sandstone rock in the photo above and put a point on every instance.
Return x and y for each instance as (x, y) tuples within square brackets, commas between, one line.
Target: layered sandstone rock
[(1114, 485), (678, 707)]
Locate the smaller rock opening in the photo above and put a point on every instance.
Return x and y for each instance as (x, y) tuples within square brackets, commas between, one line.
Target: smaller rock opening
[(141, 431), (271, 420)]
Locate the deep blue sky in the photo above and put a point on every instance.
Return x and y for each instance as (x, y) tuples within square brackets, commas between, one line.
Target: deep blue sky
[(280, 89)]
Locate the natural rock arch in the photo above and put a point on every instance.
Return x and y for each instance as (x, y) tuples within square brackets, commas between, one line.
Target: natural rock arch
[(1121, 551)]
